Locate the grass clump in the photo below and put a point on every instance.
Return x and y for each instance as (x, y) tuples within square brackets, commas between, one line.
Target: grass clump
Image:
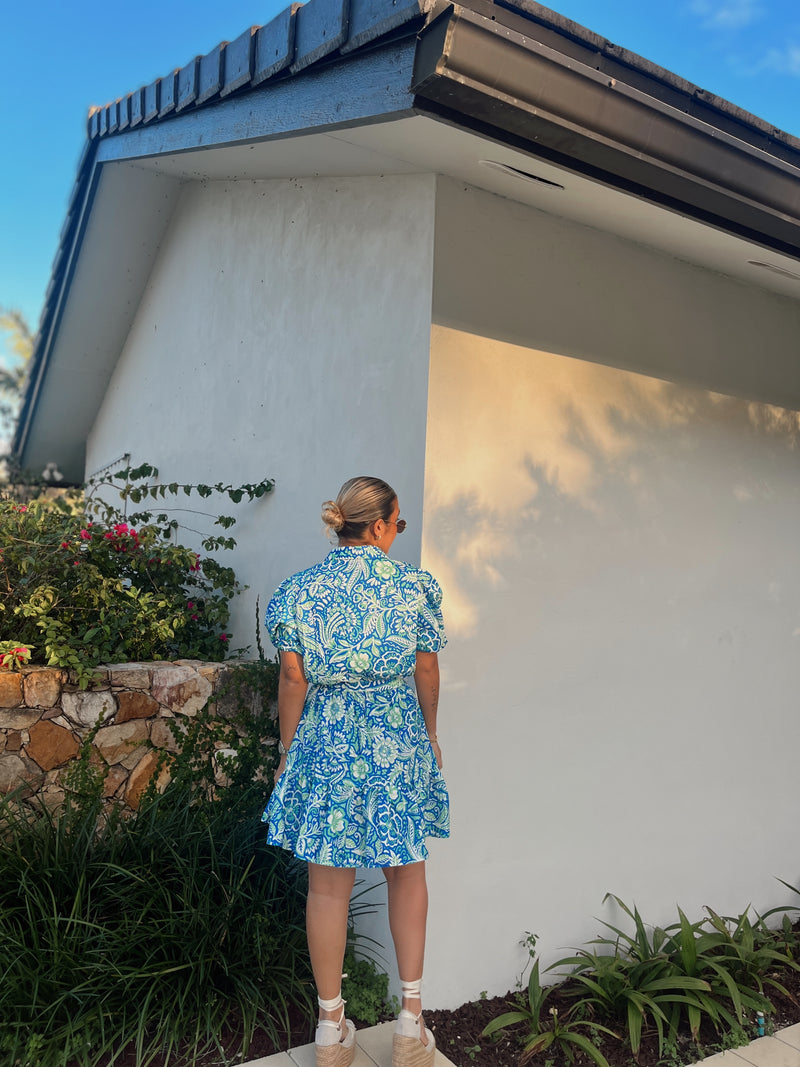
[(151, 930)]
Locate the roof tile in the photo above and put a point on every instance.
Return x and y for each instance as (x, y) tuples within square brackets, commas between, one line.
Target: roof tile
[(209, 78), (151, 98), (168, 94), (187, 84), (370, 19), (237, 65), (124, 109), (321, 29), (274, 48), (136, 108)]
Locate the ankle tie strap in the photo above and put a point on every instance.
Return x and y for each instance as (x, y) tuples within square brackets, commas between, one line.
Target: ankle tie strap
[(411, 989), (336, 1002)]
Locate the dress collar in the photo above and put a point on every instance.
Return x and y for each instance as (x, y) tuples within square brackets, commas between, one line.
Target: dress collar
[(357, 550)]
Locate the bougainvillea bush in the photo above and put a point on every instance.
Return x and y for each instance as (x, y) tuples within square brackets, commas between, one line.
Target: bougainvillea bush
[(75, 593)]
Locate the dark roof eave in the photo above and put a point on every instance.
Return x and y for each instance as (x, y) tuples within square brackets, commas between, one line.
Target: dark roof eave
[(613, 59), (478, 71)]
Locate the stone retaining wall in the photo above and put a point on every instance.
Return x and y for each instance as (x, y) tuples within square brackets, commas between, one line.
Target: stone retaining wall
[(45, 716)]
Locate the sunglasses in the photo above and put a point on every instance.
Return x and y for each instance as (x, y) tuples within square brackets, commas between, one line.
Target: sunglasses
[(400, 524)]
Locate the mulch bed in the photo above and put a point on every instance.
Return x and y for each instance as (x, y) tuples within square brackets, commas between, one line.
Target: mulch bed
[(458, 1035)]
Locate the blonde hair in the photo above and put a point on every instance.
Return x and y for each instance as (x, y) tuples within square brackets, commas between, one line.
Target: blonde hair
[(360, 501)]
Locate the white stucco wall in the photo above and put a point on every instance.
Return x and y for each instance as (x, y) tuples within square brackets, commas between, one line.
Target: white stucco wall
[(618, 708), (285, 333), (509, 271), (619, 560)]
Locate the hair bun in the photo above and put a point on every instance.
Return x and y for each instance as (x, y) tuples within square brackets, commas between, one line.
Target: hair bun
[(332, 515)]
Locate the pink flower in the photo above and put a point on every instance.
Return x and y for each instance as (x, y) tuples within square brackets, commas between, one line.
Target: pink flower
[(196, 565), (15, 656), (195, 617), (22, 508), (224, 637), (76, 563), (121, 528), (65, 544), (85, 535), (190, 604)]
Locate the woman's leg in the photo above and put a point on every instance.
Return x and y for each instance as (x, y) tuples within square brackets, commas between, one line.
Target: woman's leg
[(408, 914), (329, 890)]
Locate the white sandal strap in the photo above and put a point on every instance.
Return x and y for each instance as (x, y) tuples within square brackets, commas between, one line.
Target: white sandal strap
[(411, 989), (333, 1004)]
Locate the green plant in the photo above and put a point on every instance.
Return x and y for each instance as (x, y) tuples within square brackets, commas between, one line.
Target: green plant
[(694, 953), (560, 1032), (749, 953), (229, 744), (365, 988), (638, 982), (81, 592), (14, 655), (149, 931), (630, 990)]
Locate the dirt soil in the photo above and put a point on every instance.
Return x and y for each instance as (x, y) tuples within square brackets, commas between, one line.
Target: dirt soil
[(458, 1035)]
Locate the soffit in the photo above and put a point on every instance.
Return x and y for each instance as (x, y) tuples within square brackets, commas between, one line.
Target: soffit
[(424, 144)]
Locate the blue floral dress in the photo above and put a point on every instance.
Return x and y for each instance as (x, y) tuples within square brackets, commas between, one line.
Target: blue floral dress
[(361, 787)]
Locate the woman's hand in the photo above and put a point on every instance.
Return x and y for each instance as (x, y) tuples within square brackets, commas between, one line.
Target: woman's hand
[(437, 753), (281, 768)]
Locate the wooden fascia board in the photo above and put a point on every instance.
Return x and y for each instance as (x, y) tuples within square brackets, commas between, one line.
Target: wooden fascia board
[(365, 88)]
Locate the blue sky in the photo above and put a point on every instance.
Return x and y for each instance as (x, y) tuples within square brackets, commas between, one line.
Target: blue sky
[(62, 57)]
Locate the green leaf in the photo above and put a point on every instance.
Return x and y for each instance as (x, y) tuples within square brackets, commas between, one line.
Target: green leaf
[(511, 1018), (586, 1046), (635, 1018), (539, 1043)]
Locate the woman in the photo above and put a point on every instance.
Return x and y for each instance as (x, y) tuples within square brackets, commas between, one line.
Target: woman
[(359, 782)]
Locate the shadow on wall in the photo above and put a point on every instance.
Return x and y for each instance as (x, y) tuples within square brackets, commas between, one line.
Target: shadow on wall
[(550, 475)]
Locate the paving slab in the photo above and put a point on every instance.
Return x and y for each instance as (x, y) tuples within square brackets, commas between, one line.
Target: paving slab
[(770, 1052), (791, 1035), (305, 1056), (374, 1049), (377, 1043), (728, 1058)]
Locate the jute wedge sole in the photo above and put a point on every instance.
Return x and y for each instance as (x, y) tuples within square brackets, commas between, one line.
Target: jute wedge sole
[(338, 1055), (410, 1052)]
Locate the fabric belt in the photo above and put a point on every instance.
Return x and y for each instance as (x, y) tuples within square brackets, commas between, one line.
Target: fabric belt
[(368, 684)]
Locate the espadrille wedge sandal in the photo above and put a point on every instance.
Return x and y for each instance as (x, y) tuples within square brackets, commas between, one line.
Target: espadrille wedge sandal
[(408, 1048), (333, 1049)]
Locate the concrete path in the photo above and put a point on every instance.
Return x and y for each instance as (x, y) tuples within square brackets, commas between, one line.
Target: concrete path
[(781, 1050), (375, 1050)]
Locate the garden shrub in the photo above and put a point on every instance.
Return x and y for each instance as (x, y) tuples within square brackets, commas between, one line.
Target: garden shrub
[(78, 591), (154, 928)]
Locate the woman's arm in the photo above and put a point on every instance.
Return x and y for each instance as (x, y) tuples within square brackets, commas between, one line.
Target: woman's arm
[(292, 686), (426, 680)]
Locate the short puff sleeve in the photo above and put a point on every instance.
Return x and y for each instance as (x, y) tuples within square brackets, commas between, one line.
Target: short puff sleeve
[(430, 624), (280, 620)]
